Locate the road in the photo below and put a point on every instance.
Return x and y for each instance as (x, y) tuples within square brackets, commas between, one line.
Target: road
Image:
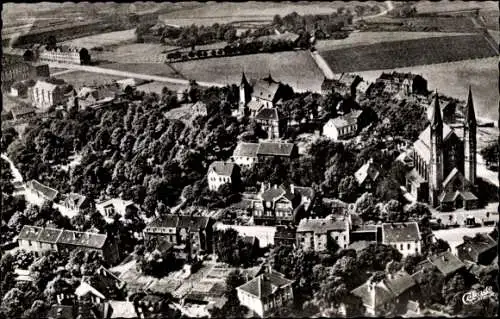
[(15, 172), (485, 173), (95, 69), (389, 5), (454, 236)]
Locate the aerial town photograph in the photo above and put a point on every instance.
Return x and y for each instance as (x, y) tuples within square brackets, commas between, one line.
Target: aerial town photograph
[(257, 159)]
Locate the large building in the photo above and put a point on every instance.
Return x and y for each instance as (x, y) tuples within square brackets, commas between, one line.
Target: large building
[(405, 83), (60, 54), (15, 69), (316, 234), (246, 155), (405, 237), (444, 172), (222, 173), (46, 95)]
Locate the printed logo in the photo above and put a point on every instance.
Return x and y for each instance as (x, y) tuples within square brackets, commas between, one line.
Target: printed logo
[(474, 296)]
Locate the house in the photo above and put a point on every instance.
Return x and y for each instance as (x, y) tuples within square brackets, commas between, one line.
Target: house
[(22, 112), (102, 286), (272, 122), (389, 296), (41, 192), (367, 176), (74, 203), (279, 205), (285, 151), (285, 236), (15, 69), (133, 83), (190, 235), (316, 234), (39, 239), (446, 263), (405, 83), (342, 127), (110, 207), (94, 96), (480, 249), (405, 237), (346, 85), (18, 89), (221, 173), (245, 154), (266, 293), (46, 95)]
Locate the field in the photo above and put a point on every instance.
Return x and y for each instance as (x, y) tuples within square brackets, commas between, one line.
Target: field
[(159, 69), (453, 79), (440, 6), (365, 38), (227, 12), (408, 53), (103, 39), (81, 78), (157, 87), (133, 53), (296, 68)]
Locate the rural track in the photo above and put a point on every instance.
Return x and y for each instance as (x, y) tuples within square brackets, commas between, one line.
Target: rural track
[(95, 69)]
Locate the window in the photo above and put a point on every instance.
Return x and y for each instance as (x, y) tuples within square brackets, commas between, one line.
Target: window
[(400, 246), (29, 243), (336, 237), (409, 246)]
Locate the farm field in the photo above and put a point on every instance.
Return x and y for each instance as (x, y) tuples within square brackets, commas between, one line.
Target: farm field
[(133, 53), (365, 38), (160, 69), (81, 78), (407, 53), (103, 39), (453, 79), (440, 6), (283, 66), (216, 12), (157, 87)]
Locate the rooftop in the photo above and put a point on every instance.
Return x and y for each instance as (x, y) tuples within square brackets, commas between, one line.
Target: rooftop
[(267, 114), (367, 170), (48, 192), (246, 150), (446, 263), (265, 284), (400, 232), (321, 225), (275, 148), (345, 120), (222, 168)]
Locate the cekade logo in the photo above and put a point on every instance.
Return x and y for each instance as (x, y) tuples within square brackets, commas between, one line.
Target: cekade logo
[(473, 296)]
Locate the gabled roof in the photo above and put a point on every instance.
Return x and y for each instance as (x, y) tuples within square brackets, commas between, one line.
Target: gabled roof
[(246, 150), (265, 90), (85, 289), (267, 114), (265, 284), (48, 192), (222, 168), (273, 194), (446, 263), (86, 239), (180, 221), (322, 225), (29, 232), (398, 232), (74, 199), (475, 246), (275, 148), (345, 120), (46, 86), (50, 235), (254, 105), (369, 169), (359, 245)]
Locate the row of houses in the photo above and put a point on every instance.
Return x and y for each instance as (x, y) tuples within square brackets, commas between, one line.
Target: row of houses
[(59, 53)]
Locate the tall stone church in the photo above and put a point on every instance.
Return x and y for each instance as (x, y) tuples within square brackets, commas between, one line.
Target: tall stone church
[(444, 173)]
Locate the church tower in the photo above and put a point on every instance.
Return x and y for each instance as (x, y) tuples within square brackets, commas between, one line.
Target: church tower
[(436, 161), (245, 89), (470, 125)]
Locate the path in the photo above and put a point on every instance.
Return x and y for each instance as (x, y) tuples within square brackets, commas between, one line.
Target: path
[(15, 172), (95, 69), (63, 72)]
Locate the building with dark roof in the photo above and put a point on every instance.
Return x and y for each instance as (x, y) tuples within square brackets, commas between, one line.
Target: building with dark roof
[(22, 112), (444, 173), (42, 192), (39, 239), (480, 249), (276, 149), (446, 263), (316, 234), (245, 154), (221, 173), (272, 121), (343, 126), (367, 176), (190, 235), (346, 85), (405, 237), (266, 293), (74, 203), (405, 83)]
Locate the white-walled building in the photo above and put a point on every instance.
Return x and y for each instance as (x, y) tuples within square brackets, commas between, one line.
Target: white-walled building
[(315, 233), (220, 173), (405, 237), (343, 126), (245, 154), (46, 95)]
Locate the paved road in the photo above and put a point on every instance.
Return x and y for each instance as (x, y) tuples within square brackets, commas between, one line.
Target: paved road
[(95, 69)]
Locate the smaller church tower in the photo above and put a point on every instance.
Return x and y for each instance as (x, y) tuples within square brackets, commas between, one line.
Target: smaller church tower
[(436, 160), (470, 126), (245, 91)]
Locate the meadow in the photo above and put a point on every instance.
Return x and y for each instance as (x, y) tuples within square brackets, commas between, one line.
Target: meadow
[(440, 6), (103, 39), (160, 69), (133, 53), (81, 78), (397, 54)]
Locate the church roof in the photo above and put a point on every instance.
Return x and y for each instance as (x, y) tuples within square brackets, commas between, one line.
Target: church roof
[(454, 173), (265, 90), (367, 170), (422, 145), (246, 150), (436, 118), (470, 116)]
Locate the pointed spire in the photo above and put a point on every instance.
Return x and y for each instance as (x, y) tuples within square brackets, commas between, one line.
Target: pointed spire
[(470, 116), (243, 78), (436, 118)]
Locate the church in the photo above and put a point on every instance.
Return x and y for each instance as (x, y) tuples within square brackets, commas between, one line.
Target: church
[(444, 166)]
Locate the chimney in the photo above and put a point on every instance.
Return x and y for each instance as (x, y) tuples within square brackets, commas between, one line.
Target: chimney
[(292, 188), (370, 160), (275, 186)]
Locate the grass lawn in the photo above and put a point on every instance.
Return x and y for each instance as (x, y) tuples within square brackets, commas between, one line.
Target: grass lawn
[(440, 6), (160, 69), (365, 38), (157, 87), (296, 68), (397, 54), (103, 39), (133, 53), (453, 79), (81, 78)]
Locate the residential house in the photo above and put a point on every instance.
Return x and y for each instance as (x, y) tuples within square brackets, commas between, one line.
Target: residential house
[(221, 173), (316, 234), (405, 237), (389, 296), (405, 83), (342, 127), (446, 263), (190, 235), (284, 151), (101, 287), (245, 154), (18, 89), (40, 192), (110, 207), (15, 69), (39, 239), (346, 85), (272, 122), (266, 293), (285, 236), (97, 96), (46, 95), (480, 249), (22, 112), (73, 203), (367, 176)]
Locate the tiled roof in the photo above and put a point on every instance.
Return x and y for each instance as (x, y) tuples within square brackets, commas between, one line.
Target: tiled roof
[(468, 195), (273, 194), (73, 199), (398, 232), (267, 114), (21, 110), (277, 149), (321, 226), (48, 192), (265, 284), (346, 120), (350, 79), (367, 170), (246, 150), (400, 283), (446, 263), (222, 168), (30, 232), (49, 235), (86, 239), (473, 247), (180, 221), (359, 245), (265, 90)]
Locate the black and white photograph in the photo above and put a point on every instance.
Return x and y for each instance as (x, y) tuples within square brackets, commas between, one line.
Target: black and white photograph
[(249, 159)]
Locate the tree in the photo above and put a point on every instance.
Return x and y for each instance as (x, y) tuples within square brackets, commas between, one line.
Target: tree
[(453, 291), (365, 207), (13, 303), (431, 284), (230, 35), (231, 249), (418, 211), (376, 257), (348, 189)]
